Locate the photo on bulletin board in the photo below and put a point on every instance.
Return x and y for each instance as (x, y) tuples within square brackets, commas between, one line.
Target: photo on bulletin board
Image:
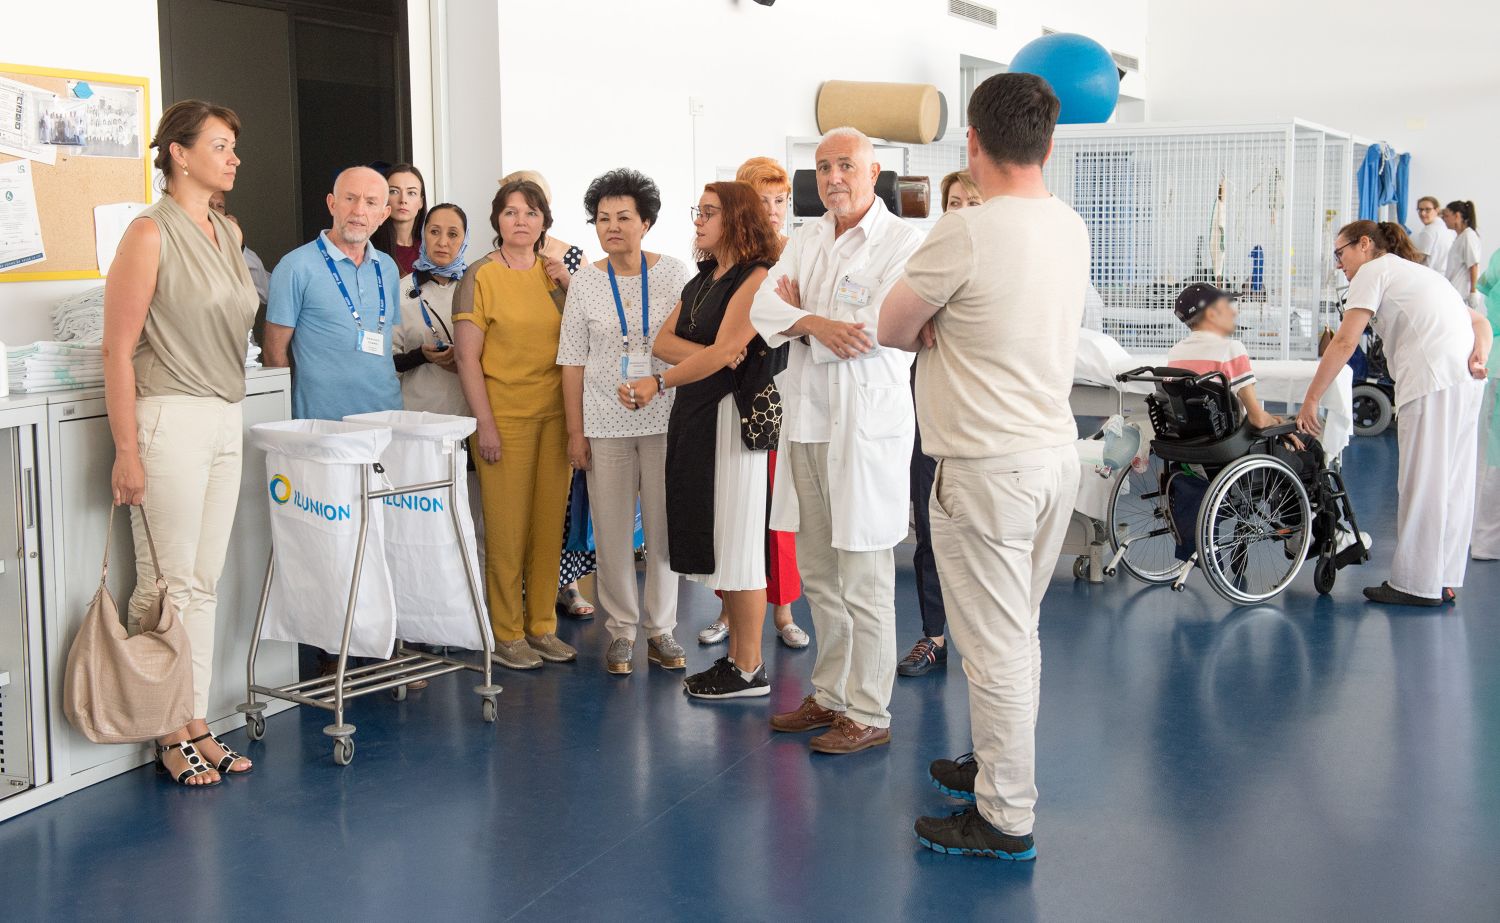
[(70, 142)]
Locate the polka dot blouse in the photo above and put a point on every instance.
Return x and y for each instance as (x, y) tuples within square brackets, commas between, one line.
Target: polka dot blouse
[(591, 338)]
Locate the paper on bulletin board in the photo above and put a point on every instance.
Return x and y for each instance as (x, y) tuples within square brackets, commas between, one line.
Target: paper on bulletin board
[(110, 222), (20, 225), (21, 107)]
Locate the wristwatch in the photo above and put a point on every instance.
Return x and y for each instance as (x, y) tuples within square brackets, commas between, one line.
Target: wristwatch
[(661, 383)]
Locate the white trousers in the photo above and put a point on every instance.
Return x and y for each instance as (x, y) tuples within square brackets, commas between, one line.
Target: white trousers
[(1487, 501), (852, 596), (191, 450), (997, 528), (622, 470), (1438, 438)]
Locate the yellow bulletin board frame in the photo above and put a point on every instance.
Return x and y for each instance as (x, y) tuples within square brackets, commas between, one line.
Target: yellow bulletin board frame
[(77, 169)]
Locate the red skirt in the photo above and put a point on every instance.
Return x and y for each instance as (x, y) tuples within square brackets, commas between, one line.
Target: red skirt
[(783, 582)]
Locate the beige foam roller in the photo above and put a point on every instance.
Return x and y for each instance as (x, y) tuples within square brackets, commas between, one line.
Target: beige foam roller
[(908, 112)]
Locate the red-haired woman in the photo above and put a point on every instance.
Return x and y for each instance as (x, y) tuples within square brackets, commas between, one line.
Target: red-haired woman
[(716, 486), (783, 583)]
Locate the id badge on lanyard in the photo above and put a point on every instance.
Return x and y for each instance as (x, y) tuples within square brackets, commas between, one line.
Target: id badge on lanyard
[(367, 342), (634, 364)]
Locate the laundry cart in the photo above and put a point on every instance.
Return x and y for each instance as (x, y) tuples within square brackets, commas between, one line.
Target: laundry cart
[(341, 572)]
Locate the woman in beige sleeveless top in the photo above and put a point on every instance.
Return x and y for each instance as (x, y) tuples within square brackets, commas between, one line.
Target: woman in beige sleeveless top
[(178, 305)]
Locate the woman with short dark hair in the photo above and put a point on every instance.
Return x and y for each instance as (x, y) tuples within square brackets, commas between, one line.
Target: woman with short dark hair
[(506, 321), (616, 307)]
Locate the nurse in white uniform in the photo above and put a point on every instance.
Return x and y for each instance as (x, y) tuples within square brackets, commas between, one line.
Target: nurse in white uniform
[(1434, 237), (1462, 267), (1437, 348)]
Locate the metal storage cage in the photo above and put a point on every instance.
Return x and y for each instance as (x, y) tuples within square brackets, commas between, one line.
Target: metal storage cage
[(1250, 207)]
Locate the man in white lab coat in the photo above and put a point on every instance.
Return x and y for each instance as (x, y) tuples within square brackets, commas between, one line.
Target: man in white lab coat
[(846, 440), (1434, 238)]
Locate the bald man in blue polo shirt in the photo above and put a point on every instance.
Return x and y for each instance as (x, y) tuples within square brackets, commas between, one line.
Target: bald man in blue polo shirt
[(334, 302)]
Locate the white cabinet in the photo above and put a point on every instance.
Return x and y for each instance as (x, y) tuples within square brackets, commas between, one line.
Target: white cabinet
[(73, 512), (23, 724)]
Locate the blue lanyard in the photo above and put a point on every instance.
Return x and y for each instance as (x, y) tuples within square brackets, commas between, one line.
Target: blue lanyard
[(427, 319), (620, 307), (349, 302)]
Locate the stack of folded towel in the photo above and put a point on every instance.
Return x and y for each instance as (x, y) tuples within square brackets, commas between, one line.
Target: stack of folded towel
[(80, 319), (54, 366)]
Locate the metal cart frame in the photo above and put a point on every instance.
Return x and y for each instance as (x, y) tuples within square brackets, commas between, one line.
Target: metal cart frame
[(406, 666)]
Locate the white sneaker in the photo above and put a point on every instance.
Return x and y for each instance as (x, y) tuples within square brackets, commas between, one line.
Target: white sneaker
[(714, 633), (794, 637), (1346, 539)]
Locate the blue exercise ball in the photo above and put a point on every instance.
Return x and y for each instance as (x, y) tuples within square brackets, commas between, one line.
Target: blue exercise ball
[(1081, 72)]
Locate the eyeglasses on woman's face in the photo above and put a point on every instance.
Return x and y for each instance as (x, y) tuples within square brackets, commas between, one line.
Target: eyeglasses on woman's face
[(1338, 252), (705, 212)]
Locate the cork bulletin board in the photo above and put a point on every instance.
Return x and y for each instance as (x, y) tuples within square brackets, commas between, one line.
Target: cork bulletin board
[(82, 178)]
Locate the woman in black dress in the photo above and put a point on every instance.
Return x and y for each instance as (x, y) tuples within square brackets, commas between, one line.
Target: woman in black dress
[(716, 486)]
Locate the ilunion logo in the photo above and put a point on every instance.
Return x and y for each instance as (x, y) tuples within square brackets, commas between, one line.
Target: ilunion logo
[(281, 489)]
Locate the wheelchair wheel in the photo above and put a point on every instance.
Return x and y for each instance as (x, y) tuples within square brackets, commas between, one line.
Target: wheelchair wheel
[(1254, 529), (1372, 410), (1138, 514)]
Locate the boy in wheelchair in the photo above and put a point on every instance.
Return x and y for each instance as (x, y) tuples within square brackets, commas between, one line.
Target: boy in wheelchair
[(1207, 418)]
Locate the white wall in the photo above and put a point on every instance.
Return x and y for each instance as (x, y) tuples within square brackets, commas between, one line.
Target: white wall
[(110, 36), (588, 85), (574, 88), (1350, 67)]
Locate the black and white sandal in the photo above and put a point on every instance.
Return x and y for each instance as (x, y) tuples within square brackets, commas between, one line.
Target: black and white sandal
[(196, 764), (228, 759)]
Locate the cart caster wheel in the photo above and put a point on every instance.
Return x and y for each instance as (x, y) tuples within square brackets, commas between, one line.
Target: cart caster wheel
[(399, 693), (489, 710), (343, 751), (255, 726), (1324, 575), (1081, 568)]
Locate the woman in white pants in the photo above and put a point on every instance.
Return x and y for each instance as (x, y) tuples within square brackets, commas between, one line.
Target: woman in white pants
[(1437, 347), (178, 306)]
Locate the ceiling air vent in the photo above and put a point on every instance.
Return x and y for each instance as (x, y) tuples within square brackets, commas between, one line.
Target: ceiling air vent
[(973, 12), (1127, 62)]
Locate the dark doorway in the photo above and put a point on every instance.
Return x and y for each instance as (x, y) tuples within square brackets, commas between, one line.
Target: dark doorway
[(318, 86)]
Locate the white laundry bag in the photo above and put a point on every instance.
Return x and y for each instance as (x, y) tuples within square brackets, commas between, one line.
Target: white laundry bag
[(313, 482), (433, 604)]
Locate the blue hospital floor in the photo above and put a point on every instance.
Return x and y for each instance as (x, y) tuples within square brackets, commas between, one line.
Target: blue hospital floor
[(1312, 759)]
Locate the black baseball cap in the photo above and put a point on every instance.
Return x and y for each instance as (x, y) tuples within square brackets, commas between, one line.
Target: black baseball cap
[(1197, 298)]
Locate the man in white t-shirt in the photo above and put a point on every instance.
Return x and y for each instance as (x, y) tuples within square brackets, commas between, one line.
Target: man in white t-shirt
[(1433, 238), (992, 302)]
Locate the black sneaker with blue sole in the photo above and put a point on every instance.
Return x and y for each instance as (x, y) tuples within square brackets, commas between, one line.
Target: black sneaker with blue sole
[(967, 833), (955, 778)]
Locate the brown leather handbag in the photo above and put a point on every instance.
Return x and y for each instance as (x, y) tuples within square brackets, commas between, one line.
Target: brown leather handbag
[(120, 689)]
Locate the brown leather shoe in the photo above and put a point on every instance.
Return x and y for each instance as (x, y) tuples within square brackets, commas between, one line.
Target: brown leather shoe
[(808, 716), (848, 737)]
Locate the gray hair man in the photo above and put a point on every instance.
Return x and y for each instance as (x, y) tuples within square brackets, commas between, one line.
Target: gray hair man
[(333, 305), (846, 440)]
